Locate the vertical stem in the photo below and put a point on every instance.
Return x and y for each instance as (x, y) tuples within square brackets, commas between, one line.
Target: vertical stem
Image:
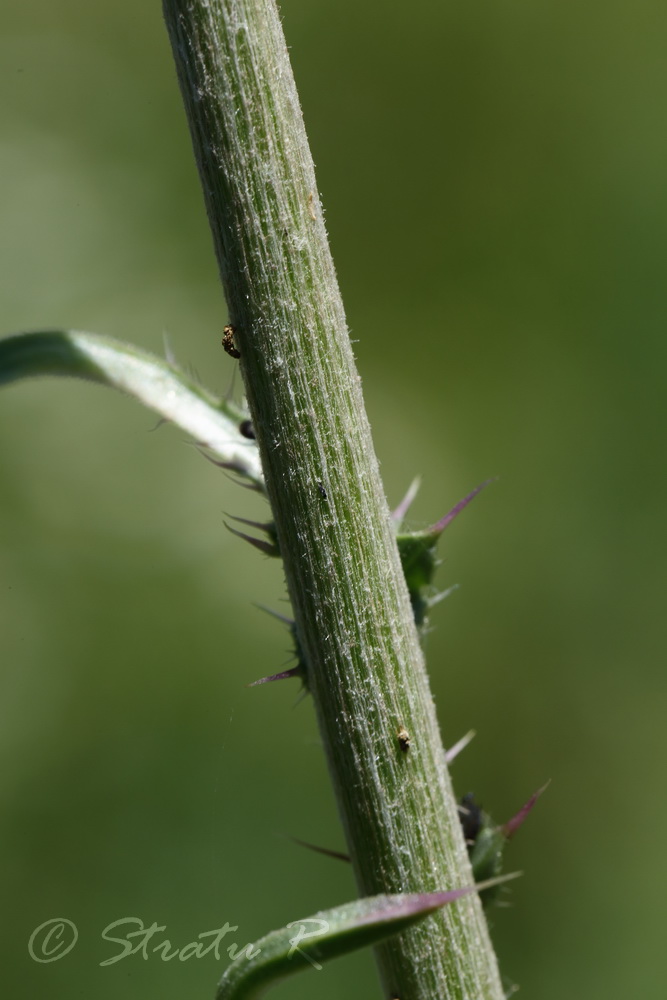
[(365, 666)]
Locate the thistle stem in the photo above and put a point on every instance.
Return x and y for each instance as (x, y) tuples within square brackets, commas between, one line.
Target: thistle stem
[(365, 668)]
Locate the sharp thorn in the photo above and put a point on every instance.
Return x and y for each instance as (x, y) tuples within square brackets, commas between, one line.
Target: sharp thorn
[(338, 855), (513, 824), (455, 750), (276, 614), (407, 500), (283, 675), (440, 525), (259, 543)]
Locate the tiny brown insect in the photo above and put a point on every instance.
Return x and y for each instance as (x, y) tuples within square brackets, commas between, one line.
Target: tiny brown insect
[(228, 342), (246, 428), (403, 739)]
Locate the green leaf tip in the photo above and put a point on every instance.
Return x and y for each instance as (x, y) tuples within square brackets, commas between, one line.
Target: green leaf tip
[(487, 841), (418, 552), (216, 425), (310, 942)]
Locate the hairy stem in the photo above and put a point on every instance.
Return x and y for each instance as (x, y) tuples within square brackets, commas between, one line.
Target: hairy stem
[(354, 620)]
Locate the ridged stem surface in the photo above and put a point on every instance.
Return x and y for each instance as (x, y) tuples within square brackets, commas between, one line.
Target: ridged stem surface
[(365, 667)]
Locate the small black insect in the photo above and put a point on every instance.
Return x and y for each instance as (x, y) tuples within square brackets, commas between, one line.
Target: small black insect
[(228, 341), (471, 818), (246, 428), (321, 490), (403, 739)]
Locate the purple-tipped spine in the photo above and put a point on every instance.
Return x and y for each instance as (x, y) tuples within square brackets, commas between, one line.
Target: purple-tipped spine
[(283, 675), (513, 824), (440, 525)]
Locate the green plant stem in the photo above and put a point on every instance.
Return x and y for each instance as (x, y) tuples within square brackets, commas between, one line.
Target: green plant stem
[(365, 666)]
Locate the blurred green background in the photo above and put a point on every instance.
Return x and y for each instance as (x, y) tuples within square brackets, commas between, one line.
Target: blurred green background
[(494, 179)]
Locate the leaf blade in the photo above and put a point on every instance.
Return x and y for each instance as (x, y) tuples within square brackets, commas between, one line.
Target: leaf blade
[(344, 929), (160, 385)]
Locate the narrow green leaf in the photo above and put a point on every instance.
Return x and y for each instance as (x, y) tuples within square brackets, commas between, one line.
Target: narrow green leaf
[(160, 385), (309, 942)]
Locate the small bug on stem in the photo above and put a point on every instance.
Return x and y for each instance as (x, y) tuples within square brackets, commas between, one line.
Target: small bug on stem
[(403, 739), (228, 342)]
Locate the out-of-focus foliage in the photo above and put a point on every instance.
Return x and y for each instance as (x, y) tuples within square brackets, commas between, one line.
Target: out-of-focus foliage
[(494, 183)]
